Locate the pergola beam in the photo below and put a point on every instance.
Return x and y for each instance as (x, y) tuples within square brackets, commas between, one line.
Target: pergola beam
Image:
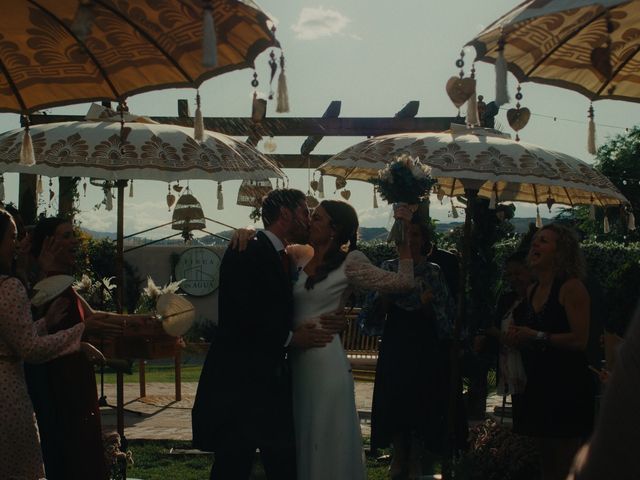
[(296, 126)]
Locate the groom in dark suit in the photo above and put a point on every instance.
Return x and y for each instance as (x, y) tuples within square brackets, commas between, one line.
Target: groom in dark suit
[(243, 400)]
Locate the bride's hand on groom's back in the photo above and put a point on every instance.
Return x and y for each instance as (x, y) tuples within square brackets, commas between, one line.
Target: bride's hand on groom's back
[(309, 335)]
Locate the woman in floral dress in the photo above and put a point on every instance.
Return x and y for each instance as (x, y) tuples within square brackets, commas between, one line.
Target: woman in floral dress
[(22, 339)]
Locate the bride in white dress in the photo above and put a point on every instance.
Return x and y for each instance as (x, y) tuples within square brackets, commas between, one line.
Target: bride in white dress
[(328, 438)]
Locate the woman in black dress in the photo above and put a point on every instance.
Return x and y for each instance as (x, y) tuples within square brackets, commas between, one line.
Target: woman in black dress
[(410, 395), (552, 330)]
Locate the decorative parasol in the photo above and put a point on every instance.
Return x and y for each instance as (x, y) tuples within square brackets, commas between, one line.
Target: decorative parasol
[(60, 52), (143, 151), (501, 168), (589, 46)]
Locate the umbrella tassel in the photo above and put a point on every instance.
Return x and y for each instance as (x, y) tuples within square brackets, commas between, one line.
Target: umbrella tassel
[(454, 210), (198, 124), (39, 188), (631, 222), (494, 200), (472, 111), (321, 186), (591, 137), (607, 228), (220, 197), (108, 199), (1, 189), (209, 42), (502, 95), (131, 189), (83, 20), (283, 91), (592, 212), (27, 155), (538, 218), (375, 198)]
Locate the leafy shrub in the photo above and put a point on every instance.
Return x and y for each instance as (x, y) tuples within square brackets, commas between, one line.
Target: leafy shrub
[(495, 453)]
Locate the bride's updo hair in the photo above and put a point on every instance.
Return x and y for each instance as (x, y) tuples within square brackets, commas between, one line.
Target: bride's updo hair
[(344, 221)]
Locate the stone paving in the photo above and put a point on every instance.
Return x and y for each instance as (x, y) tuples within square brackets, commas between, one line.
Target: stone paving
[(157, 416)]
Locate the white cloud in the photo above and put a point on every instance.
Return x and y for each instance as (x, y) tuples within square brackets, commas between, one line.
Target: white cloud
[(318, 22)]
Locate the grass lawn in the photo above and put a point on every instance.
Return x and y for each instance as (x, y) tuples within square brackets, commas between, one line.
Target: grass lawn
[(152, 461), (154, 373)]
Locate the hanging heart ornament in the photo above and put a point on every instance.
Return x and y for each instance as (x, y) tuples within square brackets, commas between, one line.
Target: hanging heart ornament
[(346, 194), (460, 90), (171, 198), (518, 117), (314, 185), (340, 183), (312, 202)]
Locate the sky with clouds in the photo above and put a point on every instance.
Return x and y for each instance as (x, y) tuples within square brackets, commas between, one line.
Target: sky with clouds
[(374, 56)]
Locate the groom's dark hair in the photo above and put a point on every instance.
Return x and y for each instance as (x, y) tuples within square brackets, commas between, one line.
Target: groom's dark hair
[(272, 202)]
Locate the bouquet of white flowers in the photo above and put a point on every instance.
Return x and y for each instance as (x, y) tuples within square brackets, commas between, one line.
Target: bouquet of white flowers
[(404, 181)]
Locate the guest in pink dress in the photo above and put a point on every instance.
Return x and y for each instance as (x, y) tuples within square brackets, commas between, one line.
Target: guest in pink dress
[(22, 339)]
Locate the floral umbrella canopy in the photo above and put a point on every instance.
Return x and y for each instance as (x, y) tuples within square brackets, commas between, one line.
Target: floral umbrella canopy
[(590, 46), (60, 52), (498, 166), (146, 151)]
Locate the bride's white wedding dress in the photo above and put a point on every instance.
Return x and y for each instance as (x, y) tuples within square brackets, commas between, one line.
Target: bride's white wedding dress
[(328, 438)]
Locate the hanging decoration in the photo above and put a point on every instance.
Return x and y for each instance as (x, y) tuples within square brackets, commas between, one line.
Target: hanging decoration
[(108, 197), (321, 186), (51, 192), (458, 88), (1, 188), (220, 197), (251, 192), (494, 198), (591, 137), (83, 20), (27, 156), (346, 194), (198, 122), (283, 93), (592, 211), (269, 145), (375, 197), (631, 220), (340, 183), (209, 41), (454, 210), (258, 105), (538, 218), (502, 95), (171, 198), (607, 228), (273, 65), (130, 188), (39, 188), (472, 104), (84, 188), (518, 117)]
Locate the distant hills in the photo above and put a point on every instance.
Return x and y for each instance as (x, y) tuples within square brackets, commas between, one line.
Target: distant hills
[(367, 234)]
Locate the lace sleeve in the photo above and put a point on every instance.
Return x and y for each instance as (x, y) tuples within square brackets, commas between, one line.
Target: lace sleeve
[(361, 273), (20, 333)]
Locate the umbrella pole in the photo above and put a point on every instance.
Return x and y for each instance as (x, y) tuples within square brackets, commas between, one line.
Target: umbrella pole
[(120, 184), (451, 440)]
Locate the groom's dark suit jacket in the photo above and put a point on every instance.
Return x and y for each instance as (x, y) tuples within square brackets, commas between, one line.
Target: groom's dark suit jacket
[(244, 393)]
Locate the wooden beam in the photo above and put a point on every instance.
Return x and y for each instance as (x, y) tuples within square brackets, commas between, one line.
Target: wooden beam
[(297, 126), (298, 161)]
